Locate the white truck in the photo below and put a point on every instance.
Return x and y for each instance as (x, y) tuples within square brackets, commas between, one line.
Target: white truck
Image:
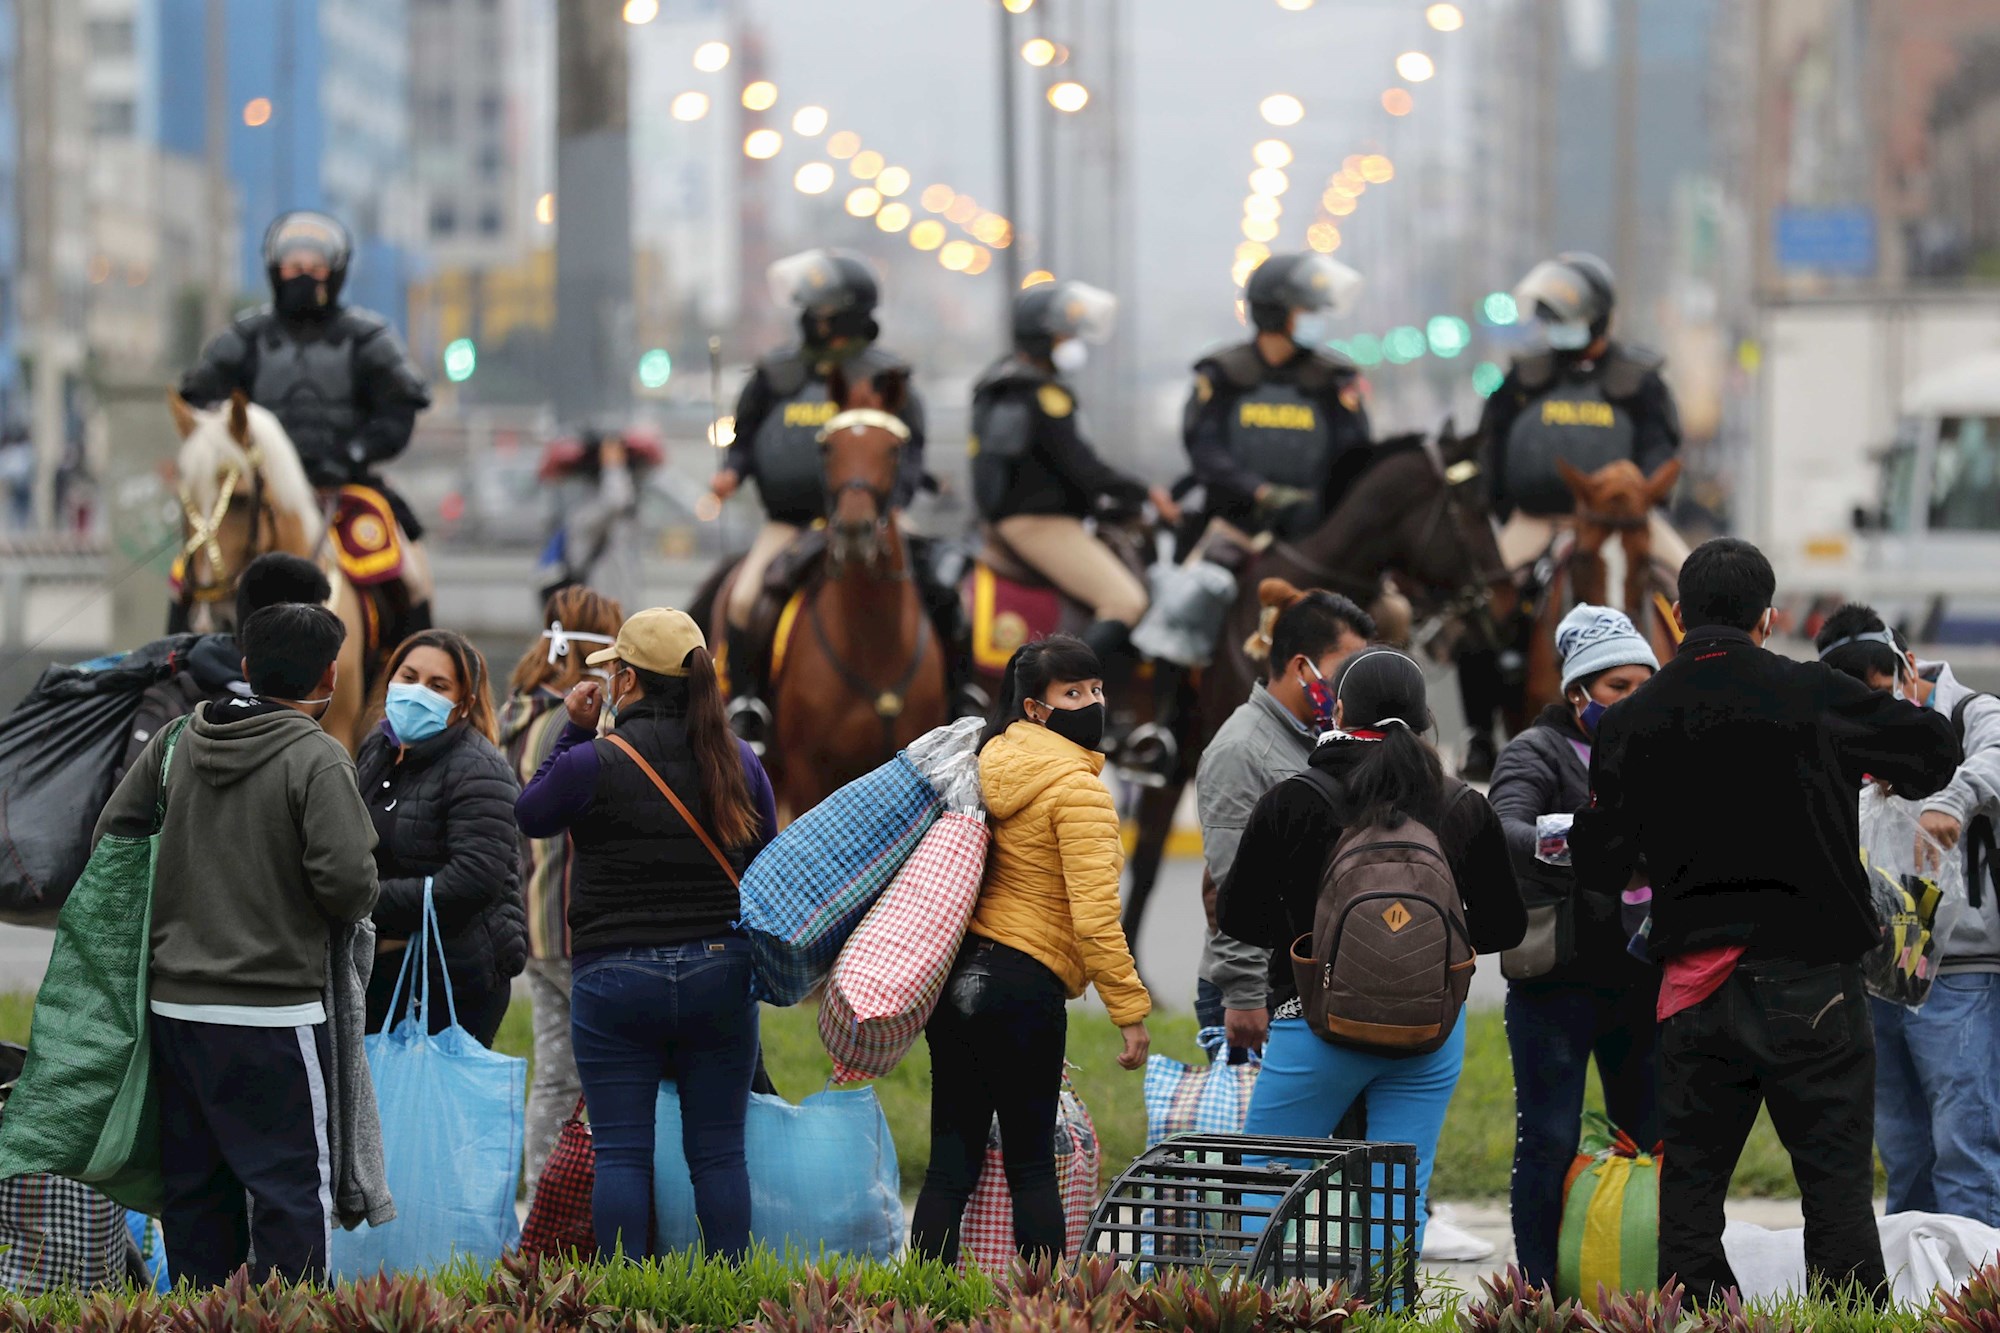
[(1875, 458)]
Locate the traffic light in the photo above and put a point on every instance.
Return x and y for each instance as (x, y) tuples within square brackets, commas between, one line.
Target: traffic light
[(461, 358), (1487, 377), (1448, 335), (1499, 308), (1366, 349), (656, 367), (1403, 344)]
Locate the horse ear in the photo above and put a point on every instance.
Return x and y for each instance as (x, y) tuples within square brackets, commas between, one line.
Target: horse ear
[(1661, 483), (892, 387), (837, 386), (1577, 480), (239, 418), (184, 418)]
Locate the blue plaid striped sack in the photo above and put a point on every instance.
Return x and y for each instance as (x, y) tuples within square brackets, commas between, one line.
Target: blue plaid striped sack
[(807, 891), (1206, 1099)]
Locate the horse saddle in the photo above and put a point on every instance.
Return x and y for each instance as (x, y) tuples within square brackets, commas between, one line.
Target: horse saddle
[(368, 543), (1010, 603), (785, 578)]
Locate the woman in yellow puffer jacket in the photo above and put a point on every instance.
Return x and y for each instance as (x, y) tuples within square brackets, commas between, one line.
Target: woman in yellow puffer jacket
[(1046, 926)]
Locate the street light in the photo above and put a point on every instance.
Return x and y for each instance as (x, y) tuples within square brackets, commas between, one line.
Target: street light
[(762, 144), (892, 181), (936, 198), (545, 209), (1262, 207), (1068, 96), (1445, 18), (844, 144), (257, 111), (760, 96), (866, 166), (893, 217), (1377, 169), (1037, 278), (641, 11), (1038, 51), (813, 178), (711, 56), (809, 121), (1272, 153), (1282, 109), (1415, 66), (1262, 230), (689, 106), (1398, 102), (1323, 237), (862, 202), (928, 234), (957, 255), (1017, 6), (1270, 180)]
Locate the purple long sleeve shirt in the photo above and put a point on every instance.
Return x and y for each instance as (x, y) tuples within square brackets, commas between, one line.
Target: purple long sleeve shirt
[(566, 783)]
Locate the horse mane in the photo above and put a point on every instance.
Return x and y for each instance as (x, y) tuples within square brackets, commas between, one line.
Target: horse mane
[(210, 451)]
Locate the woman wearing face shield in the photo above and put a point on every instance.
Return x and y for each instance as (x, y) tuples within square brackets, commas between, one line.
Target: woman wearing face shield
[(1035, 478)]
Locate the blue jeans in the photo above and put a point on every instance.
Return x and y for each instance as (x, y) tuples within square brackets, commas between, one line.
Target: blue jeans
[(681, 1012), (1937, 1098), (1207, 1003), (1308, 1084), (1553, 1030)]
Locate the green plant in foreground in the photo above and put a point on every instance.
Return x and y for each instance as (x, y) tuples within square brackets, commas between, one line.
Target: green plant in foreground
[(1512, 1304), (1662, 1311), (1975, 1308)]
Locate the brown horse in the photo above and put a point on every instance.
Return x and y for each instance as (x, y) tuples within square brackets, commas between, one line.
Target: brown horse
[(1616, 500), (243, 493), (1416, 516), (858, 672)]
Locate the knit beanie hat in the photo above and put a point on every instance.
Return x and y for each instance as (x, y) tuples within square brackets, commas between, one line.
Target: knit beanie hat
[(1597, 638)]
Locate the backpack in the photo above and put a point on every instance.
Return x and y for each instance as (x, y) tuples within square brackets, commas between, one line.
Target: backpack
[(1982, 862), (1389, 960)]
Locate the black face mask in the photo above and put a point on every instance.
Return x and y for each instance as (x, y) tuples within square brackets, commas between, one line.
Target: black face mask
[(1080, 726), (297, 297)]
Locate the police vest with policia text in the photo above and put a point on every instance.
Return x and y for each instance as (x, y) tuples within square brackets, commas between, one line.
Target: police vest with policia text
[(1572, 420)]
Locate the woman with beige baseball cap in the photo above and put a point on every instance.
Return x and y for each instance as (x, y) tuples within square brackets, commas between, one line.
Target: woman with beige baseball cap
[(663, 814)]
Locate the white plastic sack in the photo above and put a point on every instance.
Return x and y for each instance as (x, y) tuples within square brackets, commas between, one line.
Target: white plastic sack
[(1189, 604), (1923, 1251), (948, 757)]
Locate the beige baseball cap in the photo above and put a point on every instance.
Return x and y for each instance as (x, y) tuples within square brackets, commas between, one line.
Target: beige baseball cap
[(656, 640)]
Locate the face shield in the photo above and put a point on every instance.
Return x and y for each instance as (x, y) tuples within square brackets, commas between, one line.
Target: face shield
[(818, 281), (1322, 284), (1563, 300), (1080, 310)]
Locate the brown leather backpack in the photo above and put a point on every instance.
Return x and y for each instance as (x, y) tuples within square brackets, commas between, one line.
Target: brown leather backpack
[(1389, 960)]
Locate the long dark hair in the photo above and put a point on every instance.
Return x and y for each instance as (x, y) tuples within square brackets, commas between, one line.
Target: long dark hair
[(1400, 776), (1031, 670), (725, 791)]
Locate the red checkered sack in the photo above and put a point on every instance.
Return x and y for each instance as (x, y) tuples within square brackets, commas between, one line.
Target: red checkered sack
[(986, 1235), (894, 966), (559, 1219)]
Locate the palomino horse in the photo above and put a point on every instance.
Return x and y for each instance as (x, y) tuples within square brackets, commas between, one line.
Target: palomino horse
[(1416, 515), (857, 670), (243, 493), (1619, 500)]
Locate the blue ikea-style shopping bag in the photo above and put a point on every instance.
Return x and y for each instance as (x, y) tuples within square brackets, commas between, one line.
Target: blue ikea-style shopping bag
[(451, 1136), (823, 1175)]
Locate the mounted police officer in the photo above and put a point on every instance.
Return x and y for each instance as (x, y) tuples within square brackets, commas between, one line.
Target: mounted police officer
[(1582, 397), (1275, 427), (782, 407), (1034, 476), (336, 376)]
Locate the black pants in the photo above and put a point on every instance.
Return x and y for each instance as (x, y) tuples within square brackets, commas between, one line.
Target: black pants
[(1797, 1038), (243, 1143), (481, 1005), (996, 1042)]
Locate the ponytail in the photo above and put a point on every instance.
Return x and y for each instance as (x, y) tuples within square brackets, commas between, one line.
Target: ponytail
[(725, 791), (1031, 670), (1396, 778)]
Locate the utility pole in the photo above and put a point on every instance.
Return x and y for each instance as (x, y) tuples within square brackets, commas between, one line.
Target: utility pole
[(1626, 180), (215, 155), (1010, 156), (594, 338)]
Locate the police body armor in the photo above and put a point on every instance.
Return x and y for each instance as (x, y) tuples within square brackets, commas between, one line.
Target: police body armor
[(1278, 428), (1573, 414), (790, 478), (310, 386), (1003, 430)]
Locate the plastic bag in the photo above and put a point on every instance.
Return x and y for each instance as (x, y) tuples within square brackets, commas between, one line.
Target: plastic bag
[(1188, 606), (806, 892), (986, 1233), (1198, 1099), (1918, 890), (948, 757), (823, 1175), (59, 749), (894, 967), (451, 1136)]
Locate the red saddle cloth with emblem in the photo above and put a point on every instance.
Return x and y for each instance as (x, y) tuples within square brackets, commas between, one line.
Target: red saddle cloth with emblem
[(367, 541)]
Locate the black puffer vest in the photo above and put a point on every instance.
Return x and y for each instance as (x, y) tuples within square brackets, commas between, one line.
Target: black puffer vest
[(642, 877)]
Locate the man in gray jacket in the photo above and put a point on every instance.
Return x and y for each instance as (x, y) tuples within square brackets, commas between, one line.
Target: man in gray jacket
[(264, 848), (1266, 740), (1937, 1068)]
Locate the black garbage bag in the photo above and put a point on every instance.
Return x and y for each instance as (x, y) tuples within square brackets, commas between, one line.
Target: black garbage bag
[(59, 751)]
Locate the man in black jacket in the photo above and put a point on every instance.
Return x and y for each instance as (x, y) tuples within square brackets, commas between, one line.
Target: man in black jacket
[(1731, 779)]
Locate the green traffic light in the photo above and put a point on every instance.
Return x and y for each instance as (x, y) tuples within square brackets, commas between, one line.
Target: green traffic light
[(1499, 308), (656, 367), (461, 358), (1448, 335), (1366, 349), (1487, 378), (1403, 345)]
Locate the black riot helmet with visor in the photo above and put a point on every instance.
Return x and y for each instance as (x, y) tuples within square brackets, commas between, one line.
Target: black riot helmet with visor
[(306, 240), (1304, 281), (835, 292), (1571, 297), (1062, 313)]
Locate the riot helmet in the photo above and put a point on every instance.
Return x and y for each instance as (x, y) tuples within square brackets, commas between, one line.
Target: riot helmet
[(836, 293), (1305, 281), (317, 248), (1052, 315), (1571, 296)]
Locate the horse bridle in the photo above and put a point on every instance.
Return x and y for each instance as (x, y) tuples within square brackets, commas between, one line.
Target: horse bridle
[(865, 418), (204, 530)]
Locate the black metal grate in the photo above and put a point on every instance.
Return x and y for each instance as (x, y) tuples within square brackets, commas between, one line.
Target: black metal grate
[(1273, 1209)]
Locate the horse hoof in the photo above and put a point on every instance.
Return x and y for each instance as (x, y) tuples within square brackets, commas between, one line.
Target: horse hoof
[(1149, 757), (751, 721)]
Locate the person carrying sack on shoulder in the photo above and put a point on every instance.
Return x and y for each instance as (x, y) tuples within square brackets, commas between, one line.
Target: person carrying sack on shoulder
[(265, 846), (1373, 879)]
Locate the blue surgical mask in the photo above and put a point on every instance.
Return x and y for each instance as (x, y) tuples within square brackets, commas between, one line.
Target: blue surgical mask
[(1312, 328), (1570, 335), (1590, 715), (416, 713)]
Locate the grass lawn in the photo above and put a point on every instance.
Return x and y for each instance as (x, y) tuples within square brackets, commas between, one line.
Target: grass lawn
[(1475, 1155)]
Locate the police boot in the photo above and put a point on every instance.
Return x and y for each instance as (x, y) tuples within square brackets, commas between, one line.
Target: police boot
[(749, 716)]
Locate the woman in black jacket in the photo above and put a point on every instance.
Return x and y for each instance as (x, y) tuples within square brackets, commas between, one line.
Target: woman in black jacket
[(1573, 989), (1384, 773), (442, 797)]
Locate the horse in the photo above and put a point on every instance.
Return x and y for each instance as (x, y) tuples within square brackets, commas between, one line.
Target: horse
[(1616, 500), (243, 493), (1414, 517), (857, 670)]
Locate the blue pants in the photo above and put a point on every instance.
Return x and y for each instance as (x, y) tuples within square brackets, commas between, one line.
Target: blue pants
[(1308, 1084), (1553, 1030), (681, 1012), (1937, 1098)]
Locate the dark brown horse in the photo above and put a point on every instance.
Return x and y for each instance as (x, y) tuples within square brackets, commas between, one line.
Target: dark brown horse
[(857, 672), (1416, 517)]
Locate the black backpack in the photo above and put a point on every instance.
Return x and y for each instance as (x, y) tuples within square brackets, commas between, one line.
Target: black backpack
[(1982, 861)]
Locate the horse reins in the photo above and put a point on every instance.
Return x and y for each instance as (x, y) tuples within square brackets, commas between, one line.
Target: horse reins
[(205, 530)]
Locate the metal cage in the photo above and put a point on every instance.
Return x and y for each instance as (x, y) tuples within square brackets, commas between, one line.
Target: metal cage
[(1273, 1209)]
